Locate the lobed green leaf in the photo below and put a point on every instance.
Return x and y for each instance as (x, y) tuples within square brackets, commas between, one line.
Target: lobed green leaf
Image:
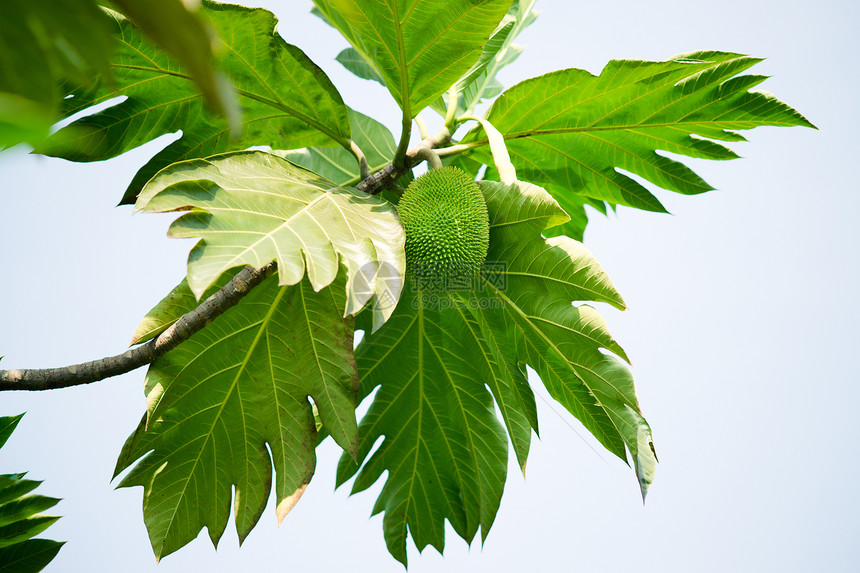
[(233, 400), (573, 132), (443, 448), (176, 26), (444, 357), (563, 342)]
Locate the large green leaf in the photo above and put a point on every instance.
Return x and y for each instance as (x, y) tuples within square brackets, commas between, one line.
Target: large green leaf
[(73, 40), (21, 518), (560, 341), (418, 48), (176, 26), (251, 207), (444, 450), (42, 45), (231, 401), (286, 100), (444, 357), (572, 132)]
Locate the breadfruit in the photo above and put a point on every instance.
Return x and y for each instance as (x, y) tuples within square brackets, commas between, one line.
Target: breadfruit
[(447, 229)]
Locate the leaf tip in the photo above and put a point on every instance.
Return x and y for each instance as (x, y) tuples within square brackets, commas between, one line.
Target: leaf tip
[(353, 450), (288, 503)]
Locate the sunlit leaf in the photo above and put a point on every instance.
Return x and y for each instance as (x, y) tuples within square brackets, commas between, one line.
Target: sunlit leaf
[(251, 207)]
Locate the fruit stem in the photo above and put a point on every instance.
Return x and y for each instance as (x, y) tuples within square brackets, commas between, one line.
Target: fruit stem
[(363, 167), (430, 156)]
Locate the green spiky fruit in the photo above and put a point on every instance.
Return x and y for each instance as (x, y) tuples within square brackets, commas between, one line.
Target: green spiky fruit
[(447, 228)]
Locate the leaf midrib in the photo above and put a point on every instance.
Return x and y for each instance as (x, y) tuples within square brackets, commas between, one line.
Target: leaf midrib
[(263, 326), (285, 224), (465, 418), (405, 102), (626, 127), (276, 104), (499, 374)]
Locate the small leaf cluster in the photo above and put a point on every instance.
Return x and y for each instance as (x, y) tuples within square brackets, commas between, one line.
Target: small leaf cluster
[(21, 518)]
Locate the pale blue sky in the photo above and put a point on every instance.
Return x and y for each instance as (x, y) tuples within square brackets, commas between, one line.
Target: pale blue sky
[(742, 330)]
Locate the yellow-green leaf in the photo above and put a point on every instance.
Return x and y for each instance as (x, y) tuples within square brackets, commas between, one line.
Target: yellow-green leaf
[(251, 207)]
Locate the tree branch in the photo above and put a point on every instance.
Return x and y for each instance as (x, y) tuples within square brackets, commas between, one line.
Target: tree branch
[(180, 331), (208, 310)]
